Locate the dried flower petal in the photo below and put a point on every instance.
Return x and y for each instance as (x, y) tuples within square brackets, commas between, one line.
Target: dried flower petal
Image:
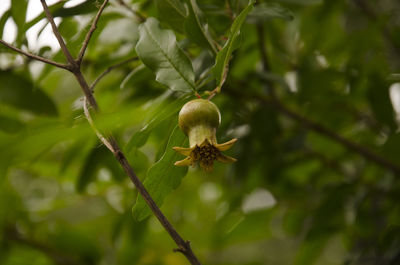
[(183, 151), (184, 163), (227, 145)]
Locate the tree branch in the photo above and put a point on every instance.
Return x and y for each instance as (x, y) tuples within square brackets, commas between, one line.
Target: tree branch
[(75, 67), (277, 104), (111, 143), (318, 128), (60, 40), (361, 150), (59, 258), (35, 57), (90, 33), (183, 246), (264, 58), (86, 89)]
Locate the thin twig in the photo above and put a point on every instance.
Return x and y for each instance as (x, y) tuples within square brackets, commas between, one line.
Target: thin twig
[(229, 10), (90, 33), (217, 90), (139, 16), (75, 67), (262, 47), (35, 57), (109, 69), (365, 118), (91, 123), (264, 58), (60, 40)]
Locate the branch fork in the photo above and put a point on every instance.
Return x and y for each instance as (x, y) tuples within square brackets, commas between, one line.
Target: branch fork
[(74, 66)]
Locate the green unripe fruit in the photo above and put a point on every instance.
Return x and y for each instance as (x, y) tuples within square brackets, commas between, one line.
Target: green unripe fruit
[(199, 112), (199, 120)]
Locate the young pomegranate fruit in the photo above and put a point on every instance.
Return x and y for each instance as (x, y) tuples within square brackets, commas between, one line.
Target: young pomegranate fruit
[(199, 120)]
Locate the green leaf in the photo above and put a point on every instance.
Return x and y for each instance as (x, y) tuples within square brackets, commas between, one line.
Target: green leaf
[(159, 51), (18, 12), (221, 66), (379, 100), (83, 8), (57, 10), (250, 227), (39, 137), (165, 128), (161, 113), (197, 29), (53, 8), (163, 177), (139, 161), (173, 12), (76, 152), (266, 11), (310, 250), (68, 28), (10, 125), (98, 158), (89, 169), (391, 148), (16, 90), (3, 21)]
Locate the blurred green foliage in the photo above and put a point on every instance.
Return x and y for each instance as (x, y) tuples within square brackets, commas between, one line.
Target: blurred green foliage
[(294, 196)]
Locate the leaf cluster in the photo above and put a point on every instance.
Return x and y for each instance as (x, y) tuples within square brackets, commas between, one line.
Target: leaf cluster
[(295, 196)]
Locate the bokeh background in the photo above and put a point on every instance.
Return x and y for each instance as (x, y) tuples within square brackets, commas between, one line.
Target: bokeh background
[(297, 194)]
